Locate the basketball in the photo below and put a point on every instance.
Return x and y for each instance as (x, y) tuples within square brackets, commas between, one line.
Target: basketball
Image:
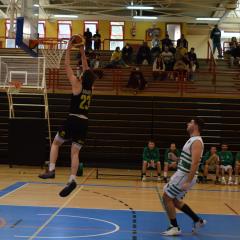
[(76, 39)]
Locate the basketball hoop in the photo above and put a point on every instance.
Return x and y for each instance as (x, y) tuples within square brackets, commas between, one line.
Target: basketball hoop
[(15, 86), (53, 51)]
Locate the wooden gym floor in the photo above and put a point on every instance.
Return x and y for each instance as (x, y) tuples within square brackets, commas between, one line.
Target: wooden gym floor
[(109, 208)]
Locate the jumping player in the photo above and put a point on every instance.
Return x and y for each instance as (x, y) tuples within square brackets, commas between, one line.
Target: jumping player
[(75, 127), (184, 179)]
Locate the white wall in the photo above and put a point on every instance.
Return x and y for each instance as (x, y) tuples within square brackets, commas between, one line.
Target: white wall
[(199, 42)]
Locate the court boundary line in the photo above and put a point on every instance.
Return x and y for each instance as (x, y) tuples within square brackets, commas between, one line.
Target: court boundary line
[(232, 209), (60, 208), (15, 190), (125, 186)]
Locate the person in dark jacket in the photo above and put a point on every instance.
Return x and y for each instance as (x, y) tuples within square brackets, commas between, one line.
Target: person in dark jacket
[(127, 52), (143, 54), (88, 40), (182, 42), (166, 42), (136, 80), (216, 40), (97, 40)]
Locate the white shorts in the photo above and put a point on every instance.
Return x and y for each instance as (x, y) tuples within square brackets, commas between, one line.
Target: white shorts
[(174, 188), (225, 168)]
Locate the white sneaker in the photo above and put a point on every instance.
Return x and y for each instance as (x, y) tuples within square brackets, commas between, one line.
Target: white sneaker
[(230, 182), (236, 182), (144, 178), (172, 231), (196, 225), (158, 179), (223, 181)]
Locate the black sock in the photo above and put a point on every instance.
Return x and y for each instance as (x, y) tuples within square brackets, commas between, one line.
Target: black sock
[(159, 174), (174, 222), (187, 210)]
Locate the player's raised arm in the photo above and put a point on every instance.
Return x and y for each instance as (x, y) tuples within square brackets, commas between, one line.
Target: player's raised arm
[(70, 74), (84, 59)]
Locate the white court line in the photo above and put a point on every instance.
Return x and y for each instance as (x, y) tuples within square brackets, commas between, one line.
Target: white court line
[(116, 229), (13, 191), (60, 208)]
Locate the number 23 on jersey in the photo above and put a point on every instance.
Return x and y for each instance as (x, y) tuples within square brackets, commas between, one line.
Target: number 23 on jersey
[(85, 102)]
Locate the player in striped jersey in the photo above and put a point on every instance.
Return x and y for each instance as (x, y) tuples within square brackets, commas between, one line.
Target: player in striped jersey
[(184, 179)]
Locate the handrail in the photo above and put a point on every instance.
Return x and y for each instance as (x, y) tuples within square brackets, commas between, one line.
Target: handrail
[(211, 61)]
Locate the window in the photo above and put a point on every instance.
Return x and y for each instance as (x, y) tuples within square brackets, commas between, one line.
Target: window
[(64, 29), (41, 29), (93, 27), (174, 32), (117, 32), (10, 42)]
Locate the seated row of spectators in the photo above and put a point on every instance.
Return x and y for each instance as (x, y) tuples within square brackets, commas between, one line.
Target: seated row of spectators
[(220, 163), (217, 162), (151, 160), (182, 63)]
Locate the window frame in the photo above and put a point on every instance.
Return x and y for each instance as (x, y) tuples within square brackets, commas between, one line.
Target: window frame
[(66, 22), (123, 31)]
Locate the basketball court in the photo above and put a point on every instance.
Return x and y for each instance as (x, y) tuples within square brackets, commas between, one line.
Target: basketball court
[(107, 208)]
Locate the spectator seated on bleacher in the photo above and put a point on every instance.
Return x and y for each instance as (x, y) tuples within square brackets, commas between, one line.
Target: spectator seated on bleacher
[(127, 53), (180, 52), (143, 54), (96, 66), (155, 50), (168, 59), (181, 69), (116, 59), (171, 158), (151, 159), (159, 69), (136, 80), (182, 42), (192, 56), (234, 53), (226, 163), (211, 163), (95, 63), (237, 168), (167, 42)]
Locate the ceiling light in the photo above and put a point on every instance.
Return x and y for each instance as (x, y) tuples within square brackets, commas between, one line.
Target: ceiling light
[(136, 7), (36, 5), (66, 16), (145, 17), (207, 19)]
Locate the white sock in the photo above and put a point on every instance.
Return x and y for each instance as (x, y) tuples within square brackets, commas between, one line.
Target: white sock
[(72, 178), (52, 166), (165, 174)]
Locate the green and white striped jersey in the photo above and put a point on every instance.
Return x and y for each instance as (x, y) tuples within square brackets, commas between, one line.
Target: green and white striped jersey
[(186, 155)]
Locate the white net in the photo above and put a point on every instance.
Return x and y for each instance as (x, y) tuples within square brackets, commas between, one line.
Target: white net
[(53, 52), (28, 71)]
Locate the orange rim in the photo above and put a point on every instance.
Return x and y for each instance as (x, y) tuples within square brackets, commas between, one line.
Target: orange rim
[(16, 84)]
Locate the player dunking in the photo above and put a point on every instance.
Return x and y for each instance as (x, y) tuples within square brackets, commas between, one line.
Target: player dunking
[(75, 127), (184, 179)]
